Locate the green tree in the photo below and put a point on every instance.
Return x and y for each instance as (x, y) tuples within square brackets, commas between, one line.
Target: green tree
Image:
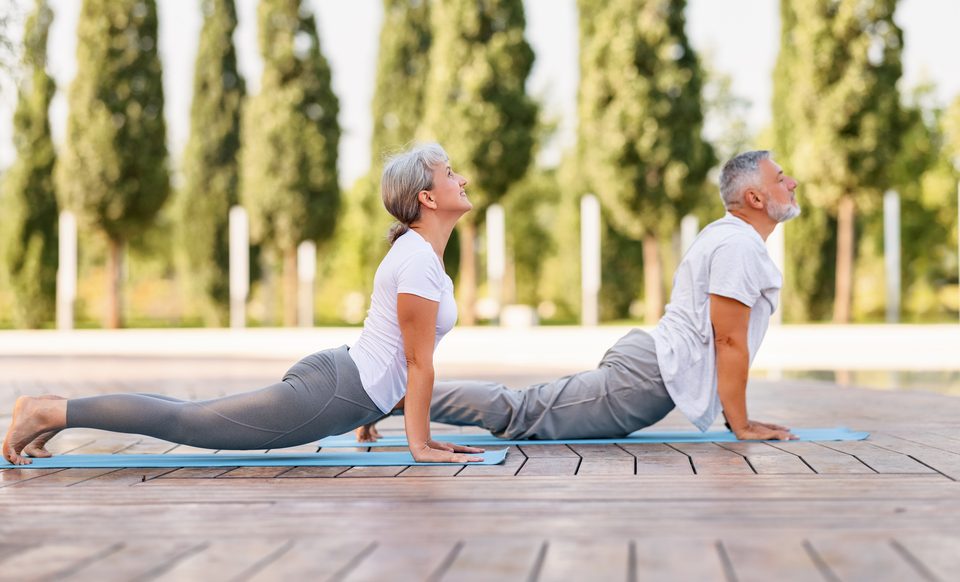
[(477, 108), (641, 118), (842, 104), (289, 180), (210, 162), (113, 170), (29, 218)]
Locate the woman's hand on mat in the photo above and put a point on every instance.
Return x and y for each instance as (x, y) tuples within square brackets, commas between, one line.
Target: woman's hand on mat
[(429, 452), (368, 433), (760, 431), (453, 448)]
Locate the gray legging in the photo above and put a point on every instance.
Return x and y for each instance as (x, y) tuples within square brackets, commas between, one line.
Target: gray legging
[(623, 394), (321, 395)]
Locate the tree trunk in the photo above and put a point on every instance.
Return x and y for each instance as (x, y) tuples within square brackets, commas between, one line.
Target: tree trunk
[(843, 297), (468, 272), (290, 287), (652, 280), (113, 317)]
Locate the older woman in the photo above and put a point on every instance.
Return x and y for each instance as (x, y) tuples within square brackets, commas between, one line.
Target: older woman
[(329, 392)]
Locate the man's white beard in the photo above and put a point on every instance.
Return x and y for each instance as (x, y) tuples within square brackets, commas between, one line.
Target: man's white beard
[(782, 212)]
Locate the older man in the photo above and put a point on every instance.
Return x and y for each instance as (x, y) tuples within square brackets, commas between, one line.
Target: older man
[(698, 356)]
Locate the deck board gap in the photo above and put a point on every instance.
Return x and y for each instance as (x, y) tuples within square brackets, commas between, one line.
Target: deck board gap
[(728, 572), (266, 561), (444, 566), (538, 562), (914, 562), (828, 574), (354, 562)]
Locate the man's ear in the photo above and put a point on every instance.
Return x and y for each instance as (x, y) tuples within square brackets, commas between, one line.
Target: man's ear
[(753, 198), (426, 198)]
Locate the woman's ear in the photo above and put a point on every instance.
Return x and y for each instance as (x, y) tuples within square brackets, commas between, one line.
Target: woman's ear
[(426, 199)]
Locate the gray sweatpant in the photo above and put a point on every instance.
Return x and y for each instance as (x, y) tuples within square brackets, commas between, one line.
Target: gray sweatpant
[(321, 395), (623, 394)]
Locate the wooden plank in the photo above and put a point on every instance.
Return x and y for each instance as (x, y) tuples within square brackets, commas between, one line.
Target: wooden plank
[(768, 460), (124, 477), (712, 459), (431, 471), (549, 451), (254, 473), (659, 459), (878, 459), (938, 555), (853, 557), (585, 560), (508, 468), (604, 460), (223, 560), (362, 472), (312, 472), (64, 478), (549, 466), (939, 460), (135, 559), (824, 460), (403, 560), (196, 473), (10, 477), (672, 558), (770, 557), (53, 560), (498, 559), (313, 559)]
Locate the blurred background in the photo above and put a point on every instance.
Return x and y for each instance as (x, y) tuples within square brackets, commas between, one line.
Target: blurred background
[(148, 121)]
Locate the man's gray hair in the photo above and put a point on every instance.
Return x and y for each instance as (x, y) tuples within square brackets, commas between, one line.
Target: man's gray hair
[(405, 175), (739, 173)]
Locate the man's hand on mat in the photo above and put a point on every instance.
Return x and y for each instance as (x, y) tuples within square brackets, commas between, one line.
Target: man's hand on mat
[(436, 452), (368, 433), (761, 431)]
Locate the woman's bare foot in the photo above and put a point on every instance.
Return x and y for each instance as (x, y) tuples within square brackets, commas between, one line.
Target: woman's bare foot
[(37, 447), (367, 433), (32, 417)]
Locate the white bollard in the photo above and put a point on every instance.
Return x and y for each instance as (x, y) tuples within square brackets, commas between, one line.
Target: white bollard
[(590, 259), (689, 229), (775, 248), (496, 254), (306, 275), (239, 266), (67, 270), (891, 253)]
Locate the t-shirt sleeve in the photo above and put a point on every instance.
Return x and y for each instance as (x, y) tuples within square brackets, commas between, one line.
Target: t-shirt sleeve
[(736, 271), (421, 275)]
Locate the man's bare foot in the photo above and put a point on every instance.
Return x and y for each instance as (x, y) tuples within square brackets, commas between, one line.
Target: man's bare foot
[(37, 447), (31, 418)]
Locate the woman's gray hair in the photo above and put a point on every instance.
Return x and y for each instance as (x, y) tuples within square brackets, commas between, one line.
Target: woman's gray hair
[(738, 174), (404, 176)]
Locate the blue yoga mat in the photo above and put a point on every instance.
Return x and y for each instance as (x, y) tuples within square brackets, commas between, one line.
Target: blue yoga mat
[(641, 436), (389, 459)]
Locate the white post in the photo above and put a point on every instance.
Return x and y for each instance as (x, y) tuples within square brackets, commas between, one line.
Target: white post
[(957, 163), (775, 247), (306, 274), (891, 253), (590, 258), (496, 253), (689, 229), (67, 271), (239, 266)]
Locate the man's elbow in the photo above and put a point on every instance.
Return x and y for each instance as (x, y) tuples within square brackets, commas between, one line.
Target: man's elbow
[(729, 343)]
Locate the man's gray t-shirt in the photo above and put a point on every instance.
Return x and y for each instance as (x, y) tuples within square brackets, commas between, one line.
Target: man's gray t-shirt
[(728, 258)]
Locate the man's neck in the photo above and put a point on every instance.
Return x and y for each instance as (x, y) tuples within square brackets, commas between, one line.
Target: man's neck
[(761, 223)]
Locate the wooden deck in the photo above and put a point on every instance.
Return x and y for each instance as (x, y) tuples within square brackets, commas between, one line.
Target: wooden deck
[(883, 509)]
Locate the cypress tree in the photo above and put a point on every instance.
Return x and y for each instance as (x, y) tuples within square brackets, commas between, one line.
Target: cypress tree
[(402, 66), (641, 117), (113, 170), (477, 108), (210, 161), (289, 181), (29, 217), (838, 91)]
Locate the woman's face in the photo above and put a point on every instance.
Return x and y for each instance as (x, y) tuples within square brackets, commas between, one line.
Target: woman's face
[(448, 190)]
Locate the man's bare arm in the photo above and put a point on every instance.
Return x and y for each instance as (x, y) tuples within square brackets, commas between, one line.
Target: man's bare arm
[(731, 320)]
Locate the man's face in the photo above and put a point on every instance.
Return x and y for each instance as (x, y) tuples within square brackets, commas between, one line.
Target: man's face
[(781, 199)]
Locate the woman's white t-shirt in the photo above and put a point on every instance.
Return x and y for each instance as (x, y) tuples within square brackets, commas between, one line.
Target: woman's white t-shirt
[(411, 266)]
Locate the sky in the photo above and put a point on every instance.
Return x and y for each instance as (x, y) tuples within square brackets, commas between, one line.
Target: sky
[(738, 37)]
